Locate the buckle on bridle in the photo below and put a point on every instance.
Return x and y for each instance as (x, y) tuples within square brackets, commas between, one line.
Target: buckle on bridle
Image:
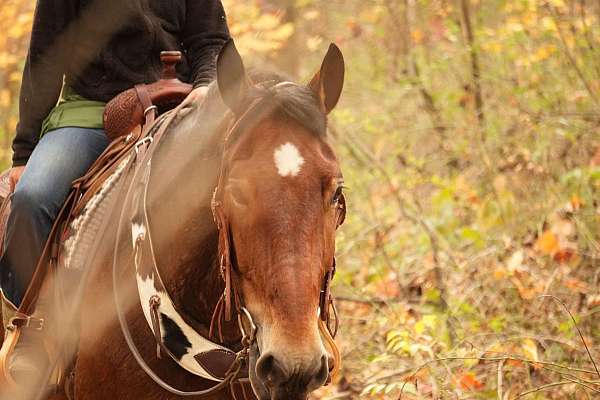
[(25, 321), (248, 332), (148, 109), (146, 140)]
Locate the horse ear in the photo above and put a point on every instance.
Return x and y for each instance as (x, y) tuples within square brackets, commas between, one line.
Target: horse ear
[(231, 76), (328, 82)]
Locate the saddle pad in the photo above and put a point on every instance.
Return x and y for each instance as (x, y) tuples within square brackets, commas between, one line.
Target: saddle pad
[(4, 185), (5, 208), (82, 231)]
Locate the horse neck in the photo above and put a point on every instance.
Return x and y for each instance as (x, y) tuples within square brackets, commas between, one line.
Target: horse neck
[(184, 174)]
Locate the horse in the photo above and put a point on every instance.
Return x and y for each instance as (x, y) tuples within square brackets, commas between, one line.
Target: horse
[(276, 187)]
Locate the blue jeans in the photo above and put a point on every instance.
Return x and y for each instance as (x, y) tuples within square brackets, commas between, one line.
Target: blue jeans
[(60, 157)]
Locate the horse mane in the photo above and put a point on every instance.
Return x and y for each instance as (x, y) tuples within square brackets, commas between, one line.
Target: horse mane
[(293, 100)]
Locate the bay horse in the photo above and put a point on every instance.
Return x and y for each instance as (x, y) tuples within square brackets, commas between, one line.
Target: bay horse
[(279, 186)]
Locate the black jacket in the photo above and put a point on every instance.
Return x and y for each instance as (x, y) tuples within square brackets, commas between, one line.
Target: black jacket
[(103, 47)]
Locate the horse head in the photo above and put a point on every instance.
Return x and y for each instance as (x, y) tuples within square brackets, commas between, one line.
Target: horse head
[(278, 203)]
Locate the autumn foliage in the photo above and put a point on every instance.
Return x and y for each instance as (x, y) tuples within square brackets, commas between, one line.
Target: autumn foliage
[(469, 135)]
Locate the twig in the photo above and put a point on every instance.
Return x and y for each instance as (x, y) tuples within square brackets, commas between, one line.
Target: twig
[(570, 57), (578, 379), (568, 380), (486, 359), (475, 68), (578, 382), (370, 301), (587, 349), (543, 387), (499, 384)]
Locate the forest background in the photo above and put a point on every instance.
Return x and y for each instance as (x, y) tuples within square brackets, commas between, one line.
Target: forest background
[(468, 132)]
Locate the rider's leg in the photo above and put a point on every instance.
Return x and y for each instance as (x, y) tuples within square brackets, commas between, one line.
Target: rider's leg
[(61, 156)]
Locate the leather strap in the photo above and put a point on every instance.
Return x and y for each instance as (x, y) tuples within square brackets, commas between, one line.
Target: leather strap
[(230, 294), (154, 304), (235, 368), (149, 279), (102, 168), (149, 108)]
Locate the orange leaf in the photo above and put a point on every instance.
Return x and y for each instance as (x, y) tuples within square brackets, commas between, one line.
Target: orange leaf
[(469, 381), (596, 159), (576, 202), (564, 255), (547, 243), (577, 286)]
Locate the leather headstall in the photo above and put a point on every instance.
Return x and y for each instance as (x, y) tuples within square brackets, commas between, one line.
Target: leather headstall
[(226, 254), (230, 294)]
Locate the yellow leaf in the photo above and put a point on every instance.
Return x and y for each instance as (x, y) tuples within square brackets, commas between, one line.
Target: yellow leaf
[(15, 76), (417, 36), (530, 350), (499, 273), (544, 52)]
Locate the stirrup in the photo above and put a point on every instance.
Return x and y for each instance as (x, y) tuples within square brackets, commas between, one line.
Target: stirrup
[(11, 339), (12, 335)]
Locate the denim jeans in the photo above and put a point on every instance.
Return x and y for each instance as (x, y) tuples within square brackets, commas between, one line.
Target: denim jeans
[(60, 157)]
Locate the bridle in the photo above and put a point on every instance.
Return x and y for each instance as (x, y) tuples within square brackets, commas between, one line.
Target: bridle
[(226, 252), (328, 323), (144, 259)]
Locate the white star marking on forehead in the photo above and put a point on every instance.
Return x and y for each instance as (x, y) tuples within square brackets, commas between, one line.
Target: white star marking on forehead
[(288, 160)]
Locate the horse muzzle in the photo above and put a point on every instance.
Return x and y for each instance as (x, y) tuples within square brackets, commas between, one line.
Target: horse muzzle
[(277, 376)]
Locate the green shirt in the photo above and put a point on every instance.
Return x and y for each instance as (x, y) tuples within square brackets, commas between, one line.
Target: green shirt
[(74, 110)]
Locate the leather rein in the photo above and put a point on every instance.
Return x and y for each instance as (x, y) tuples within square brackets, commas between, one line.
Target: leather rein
[(230, 365)]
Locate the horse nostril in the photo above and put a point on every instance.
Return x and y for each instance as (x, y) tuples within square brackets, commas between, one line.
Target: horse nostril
[(270, 370), (323, 374), (306, 376), (330, 363)]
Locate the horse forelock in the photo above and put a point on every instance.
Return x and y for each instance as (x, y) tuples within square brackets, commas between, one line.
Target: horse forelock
[(276, 93)]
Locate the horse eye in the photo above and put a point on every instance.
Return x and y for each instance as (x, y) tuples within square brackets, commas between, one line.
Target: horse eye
[(337, 195)]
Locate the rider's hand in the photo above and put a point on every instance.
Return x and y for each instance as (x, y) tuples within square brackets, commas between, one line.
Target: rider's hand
[(14, 175)]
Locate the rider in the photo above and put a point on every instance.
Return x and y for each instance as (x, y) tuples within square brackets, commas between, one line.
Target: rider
[(83, 53)]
